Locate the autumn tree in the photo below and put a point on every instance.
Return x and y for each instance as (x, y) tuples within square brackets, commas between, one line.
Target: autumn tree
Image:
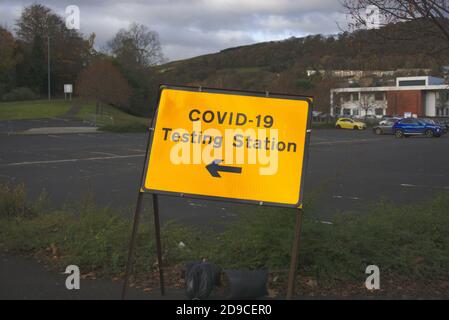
[(8, 60), (103, 83)]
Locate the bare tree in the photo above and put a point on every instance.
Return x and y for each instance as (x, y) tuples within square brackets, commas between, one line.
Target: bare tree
[(365, 103), (431, 16), (137, 46)]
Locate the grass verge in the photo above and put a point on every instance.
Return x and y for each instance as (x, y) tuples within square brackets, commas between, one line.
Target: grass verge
[(323, 125), (33, 109), (122, 121), (112, 120), (407, 242)]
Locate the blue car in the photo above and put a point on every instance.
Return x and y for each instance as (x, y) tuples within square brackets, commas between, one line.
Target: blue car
[(410, 126)]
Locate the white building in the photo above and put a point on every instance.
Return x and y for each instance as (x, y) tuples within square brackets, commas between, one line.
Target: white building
[(423, 96)]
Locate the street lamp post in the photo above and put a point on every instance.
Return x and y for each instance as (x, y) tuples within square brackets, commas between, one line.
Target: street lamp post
[(48, 65)]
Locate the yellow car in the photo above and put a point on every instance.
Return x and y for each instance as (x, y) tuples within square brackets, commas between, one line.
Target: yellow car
[(347, 123)]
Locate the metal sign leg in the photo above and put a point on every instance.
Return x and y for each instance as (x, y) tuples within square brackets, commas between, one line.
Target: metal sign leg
[(157, 230), (295, 253), (132, 243)]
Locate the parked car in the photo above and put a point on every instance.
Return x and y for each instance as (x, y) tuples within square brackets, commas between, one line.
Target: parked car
[(371, 119), (444, 123), (385, 128), (346, 123), (438, 123), (389, 119), (411, 126)]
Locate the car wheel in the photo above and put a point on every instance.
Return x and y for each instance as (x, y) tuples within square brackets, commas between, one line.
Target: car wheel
[(378, 131), (399, 134), (355, 128), (338, 126), (429, 133)]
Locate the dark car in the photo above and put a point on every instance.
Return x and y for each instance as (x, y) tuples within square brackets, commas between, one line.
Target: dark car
[(445, 124), (436, 123), (410, 126), (385, 128)]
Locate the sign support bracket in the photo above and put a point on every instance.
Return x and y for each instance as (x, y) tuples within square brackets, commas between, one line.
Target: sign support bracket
[(132, 243), (157, 230), (295, 254)]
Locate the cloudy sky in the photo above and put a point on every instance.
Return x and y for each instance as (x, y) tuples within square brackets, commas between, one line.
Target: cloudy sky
[(193, 27)]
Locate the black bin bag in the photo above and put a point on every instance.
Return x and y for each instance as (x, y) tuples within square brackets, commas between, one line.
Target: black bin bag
[(200, 278), (246, 284)]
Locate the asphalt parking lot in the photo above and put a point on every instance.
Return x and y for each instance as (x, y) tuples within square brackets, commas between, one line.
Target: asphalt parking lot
[(347, 171)]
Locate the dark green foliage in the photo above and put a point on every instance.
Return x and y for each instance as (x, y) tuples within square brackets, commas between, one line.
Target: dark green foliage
[(20, 94)]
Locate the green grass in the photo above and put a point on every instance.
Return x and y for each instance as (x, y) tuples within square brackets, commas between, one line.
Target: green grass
[(33, 109), (121, 121), (112, 119), (410, 241)]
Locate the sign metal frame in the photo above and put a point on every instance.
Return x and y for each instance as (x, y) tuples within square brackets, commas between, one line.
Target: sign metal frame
[(307, 99)]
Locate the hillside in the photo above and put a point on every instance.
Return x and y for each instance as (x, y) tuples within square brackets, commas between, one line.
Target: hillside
[(281, 66)]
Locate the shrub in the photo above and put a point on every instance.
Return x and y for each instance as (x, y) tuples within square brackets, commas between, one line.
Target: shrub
[(12, 202), (19, 94)]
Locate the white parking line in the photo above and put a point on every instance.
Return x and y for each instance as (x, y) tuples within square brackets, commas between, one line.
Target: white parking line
[(407, 185), (345, 141), (69, 160), (104, 153), (345, 197)]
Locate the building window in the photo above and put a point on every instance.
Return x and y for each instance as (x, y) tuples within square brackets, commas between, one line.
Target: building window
[(346, 112), (345, 97), (337, 110), (366, 97), (379, 111), (379, 96), (355, 112), (354, 96), (406, 83)]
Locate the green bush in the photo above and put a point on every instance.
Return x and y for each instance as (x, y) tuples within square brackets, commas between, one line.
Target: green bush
[(13, 202), (20, 94), (303, 84)]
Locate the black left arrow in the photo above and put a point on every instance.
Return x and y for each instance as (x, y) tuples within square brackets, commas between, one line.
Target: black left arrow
[(214, 168)]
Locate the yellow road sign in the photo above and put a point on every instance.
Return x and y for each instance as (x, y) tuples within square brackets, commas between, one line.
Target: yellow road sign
[(229, 145)]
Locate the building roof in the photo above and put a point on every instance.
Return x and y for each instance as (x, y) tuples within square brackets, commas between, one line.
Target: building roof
[(431, 84)]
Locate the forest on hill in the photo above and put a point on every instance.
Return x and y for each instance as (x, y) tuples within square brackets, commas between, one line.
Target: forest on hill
[(281, 66)]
